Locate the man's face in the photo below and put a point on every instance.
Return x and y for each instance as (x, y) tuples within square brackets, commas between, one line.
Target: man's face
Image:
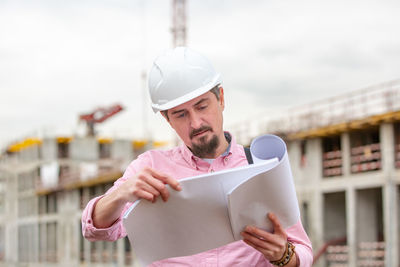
[(198, 123)]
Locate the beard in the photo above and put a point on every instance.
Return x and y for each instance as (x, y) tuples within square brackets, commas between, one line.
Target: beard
[(205, 149)]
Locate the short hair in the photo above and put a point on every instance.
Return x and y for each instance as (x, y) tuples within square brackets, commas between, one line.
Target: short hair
[(215, 90)]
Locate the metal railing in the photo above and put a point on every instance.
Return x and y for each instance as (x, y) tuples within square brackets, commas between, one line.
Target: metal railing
[(356, 105), (359, 104)]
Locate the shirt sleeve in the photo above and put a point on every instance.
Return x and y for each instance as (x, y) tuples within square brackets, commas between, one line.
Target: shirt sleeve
[(116, 230), (91, 233), (298, 236)]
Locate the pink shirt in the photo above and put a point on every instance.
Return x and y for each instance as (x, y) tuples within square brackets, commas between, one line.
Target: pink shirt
[(180, 163)]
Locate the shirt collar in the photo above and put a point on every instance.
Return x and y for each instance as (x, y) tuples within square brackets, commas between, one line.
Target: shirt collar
[(228, 138)]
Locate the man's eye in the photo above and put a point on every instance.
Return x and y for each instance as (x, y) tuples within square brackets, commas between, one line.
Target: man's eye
[(203, 107), (181, 115)]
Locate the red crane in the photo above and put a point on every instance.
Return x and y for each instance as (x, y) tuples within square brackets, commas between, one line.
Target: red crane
[(99, 115)]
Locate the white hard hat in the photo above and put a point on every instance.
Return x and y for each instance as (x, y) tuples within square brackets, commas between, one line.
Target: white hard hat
[(178, 76)]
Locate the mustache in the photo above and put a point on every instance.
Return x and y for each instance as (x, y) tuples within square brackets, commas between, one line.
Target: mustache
[(201, 129)]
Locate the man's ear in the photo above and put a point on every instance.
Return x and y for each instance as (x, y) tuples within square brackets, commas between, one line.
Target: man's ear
[(221, 97)]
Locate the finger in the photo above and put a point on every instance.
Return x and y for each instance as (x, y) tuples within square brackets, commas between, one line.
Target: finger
[(157, 185), (145, 186), (166, 179), (146, 195), (278, 229), (257, 241), (278, 241), (270, 250), (260, 233)]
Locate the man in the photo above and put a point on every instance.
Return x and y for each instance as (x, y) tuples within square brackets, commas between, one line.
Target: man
[(185, 88)]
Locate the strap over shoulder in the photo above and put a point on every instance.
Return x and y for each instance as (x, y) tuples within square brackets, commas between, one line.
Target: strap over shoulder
[(248, 155)]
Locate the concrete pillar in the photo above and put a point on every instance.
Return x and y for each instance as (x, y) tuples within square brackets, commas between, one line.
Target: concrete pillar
[(351, 225), (61, 237), (316, 226), (74, 227), (293, 150), (77, 233), (11, 213), (42, 240), (346, 153), (86, 244), (390, 195), (391, 221), (109, 250), (86, 249), (49, 149), (121, 252), (314, 160), (68, 242), (36, 242), (386, 133), (398, 231)]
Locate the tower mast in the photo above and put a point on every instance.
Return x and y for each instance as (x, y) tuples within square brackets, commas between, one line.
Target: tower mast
[(178, 23)]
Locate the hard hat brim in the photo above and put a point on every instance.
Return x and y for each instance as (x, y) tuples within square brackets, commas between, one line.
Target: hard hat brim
[(185, 98)]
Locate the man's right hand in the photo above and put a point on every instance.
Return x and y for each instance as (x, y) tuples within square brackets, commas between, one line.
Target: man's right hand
[(148, 184)]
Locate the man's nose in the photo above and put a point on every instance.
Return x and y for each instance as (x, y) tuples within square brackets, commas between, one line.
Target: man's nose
[(195, 121)]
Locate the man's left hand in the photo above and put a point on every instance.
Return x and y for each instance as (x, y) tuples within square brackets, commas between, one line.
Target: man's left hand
[(271, 245)]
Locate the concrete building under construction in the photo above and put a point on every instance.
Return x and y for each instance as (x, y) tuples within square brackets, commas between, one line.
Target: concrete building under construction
[(345, 157), (44, 186), (344, 153)]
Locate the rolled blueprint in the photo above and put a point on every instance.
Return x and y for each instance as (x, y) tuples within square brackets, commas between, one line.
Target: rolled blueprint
[(271, 191)]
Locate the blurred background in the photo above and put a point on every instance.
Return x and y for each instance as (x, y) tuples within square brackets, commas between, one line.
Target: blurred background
[(74, 111)]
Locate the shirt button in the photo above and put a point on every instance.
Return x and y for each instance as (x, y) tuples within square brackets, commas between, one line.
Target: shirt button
[(226, 158)]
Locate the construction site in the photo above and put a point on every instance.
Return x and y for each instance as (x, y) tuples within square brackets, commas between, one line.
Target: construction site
[(345, 158), (344, 153)]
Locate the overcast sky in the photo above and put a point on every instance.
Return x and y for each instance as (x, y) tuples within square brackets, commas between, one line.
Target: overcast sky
[(62, 58)]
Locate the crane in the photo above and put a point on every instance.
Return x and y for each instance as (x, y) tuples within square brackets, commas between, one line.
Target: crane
[(178, 29), (99, 115)]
